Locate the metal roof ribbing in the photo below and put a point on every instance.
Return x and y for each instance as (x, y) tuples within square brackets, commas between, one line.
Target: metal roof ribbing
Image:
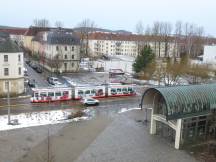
[(185, 100)]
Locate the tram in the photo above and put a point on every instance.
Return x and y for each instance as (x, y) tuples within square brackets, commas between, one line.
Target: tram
[(50, 94)]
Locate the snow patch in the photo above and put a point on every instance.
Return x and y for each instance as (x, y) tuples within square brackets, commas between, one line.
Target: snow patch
[(39, 118), (128, 109)]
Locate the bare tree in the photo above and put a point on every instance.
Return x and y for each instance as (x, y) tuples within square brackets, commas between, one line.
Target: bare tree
[(165, 33), (41, 23), (86, 27), (155, 33), (139, 30), (59, 24), (177, 39)]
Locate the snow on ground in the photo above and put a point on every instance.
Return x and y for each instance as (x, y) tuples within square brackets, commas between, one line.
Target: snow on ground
[(126, 66), (38, 118), (125, 110)]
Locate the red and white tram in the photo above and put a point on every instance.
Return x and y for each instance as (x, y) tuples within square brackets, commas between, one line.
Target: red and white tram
[(89, 91), (50, 94), (116, 90)]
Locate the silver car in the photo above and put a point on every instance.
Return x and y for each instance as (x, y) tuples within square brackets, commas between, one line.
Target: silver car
[(89, 101)]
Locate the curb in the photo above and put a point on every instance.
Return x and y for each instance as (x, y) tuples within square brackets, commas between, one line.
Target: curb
[(19, 97)]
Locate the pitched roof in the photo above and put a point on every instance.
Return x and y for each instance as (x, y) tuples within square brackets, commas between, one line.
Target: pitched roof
[(7, 45), (61, 37), (124, 37), (14, 31), (33, 30)]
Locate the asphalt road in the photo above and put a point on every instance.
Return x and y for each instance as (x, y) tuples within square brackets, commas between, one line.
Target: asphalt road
[(107, 105)]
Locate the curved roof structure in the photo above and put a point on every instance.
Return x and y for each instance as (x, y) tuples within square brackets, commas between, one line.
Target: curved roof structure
[(183, 101)]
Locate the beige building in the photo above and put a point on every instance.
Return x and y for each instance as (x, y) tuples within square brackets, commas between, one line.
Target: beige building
[(58, 50), (11, 68)]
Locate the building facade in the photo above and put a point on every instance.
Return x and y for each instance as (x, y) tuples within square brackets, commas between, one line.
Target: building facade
[(58, 51), (11, 68), (128, 44)]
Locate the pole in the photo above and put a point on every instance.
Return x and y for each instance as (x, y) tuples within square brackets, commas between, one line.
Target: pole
[(8, 101)]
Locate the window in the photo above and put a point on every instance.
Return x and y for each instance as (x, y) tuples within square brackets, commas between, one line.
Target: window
[(113, 91), (19, 58), (58, 94), (118, 89), (57, 48), (36, 95), (65, 56), (43, 94), (50, 94), (72, 56), (65, 93), (5, 58), (80, 93), (65, 48), (72, 48), (6, 85), (72, 64), (65, 66), (87, 92), (6, 71), (20, 71)]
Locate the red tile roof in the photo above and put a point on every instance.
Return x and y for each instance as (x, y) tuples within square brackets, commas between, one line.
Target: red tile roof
[(14, 31)]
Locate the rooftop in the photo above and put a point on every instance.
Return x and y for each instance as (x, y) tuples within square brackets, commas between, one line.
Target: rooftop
[(184, 101), (7, 45)]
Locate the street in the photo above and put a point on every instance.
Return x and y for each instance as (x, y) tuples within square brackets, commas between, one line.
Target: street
[(107, 105)]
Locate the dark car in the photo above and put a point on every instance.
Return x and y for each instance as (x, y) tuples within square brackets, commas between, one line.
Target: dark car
[(39, 69), (28, 62), (32, 83)]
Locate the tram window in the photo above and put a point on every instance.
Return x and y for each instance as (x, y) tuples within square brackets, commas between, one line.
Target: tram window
[(58, 94), (80, 92), (113, 90), (50, 94), (130, 89), (118, 89), (43, 94), (65, 93), (87, 92), (93, 91), (36, 94), (124, 89)]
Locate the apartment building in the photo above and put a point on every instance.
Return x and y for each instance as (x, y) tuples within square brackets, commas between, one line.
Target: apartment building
[(128, 45), (58, 50), (11, 68)]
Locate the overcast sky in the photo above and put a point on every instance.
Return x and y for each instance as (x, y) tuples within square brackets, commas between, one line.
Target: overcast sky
[(111, 14)]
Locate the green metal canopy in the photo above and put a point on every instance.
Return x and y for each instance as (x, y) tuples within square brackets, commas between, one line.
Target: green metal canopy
[(183, 101)]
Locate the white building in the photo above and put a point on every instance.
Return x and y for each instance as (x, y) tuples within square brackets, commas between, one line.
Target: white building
[(209, 56), (11, 68), (112, 44), (127, 45)]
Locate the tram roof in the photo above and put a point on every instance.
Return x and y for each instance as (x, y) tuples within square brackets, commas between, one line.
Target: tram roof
[(190, 100)]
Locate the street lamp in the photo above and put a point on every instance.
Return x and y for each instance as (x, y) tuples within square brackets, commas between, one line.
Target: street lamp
[(8, 101)]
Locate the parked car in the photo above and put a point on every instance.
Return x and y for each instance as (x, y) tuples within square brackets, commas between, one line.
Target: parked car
[(53, 81), (89, 101), (39, 69), (33, 65), (32, 83), (28, 62)]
